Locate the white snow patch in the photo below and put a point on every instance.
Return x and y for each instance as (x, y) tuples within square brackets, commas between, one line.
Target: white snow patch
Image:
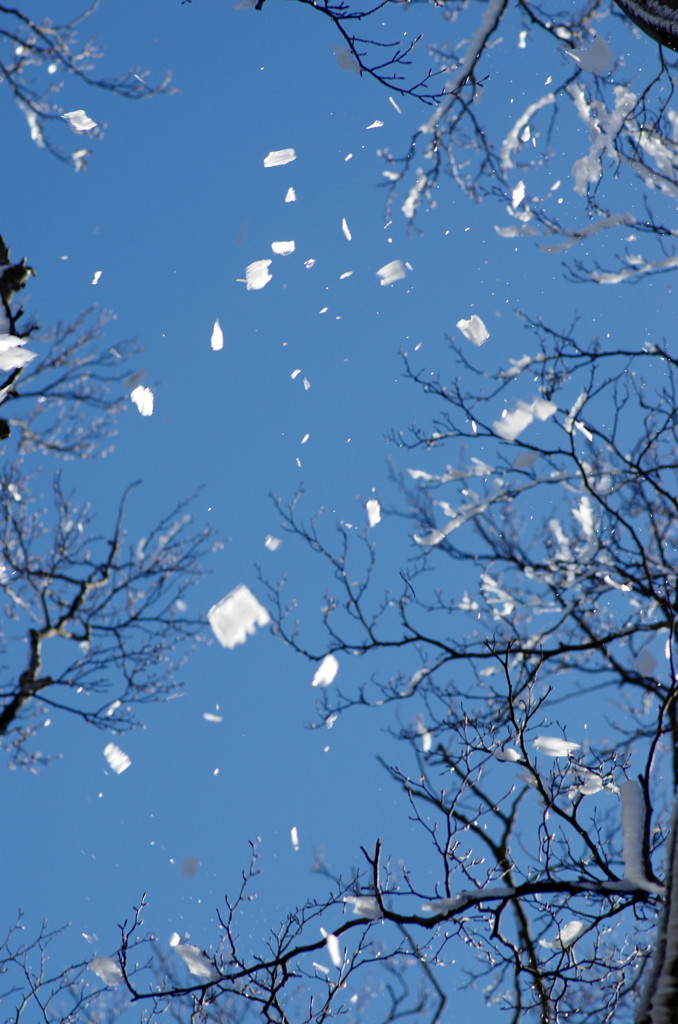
[(474, 330), (373, 509), (79, 121), (391, 272), (513, 423), (294, 837), (117, 759), (365, 906), (375, 124), (272, 543), (97, 277), (507, 754), (283, 248), (12, 353), (332, 943), (290, 195), (279, 157), (326, 671), (209, 717), (143, 399), (567, 936), (217, 341), (257, 275), (106, 969), (199, 965), (554, 746), (345, 228), (236, 617), (347, 273), (518, 194)]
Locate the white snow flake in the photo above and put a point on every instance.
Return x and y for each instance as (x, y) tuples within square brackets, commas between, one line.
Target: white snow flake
[(474, 330), (257, 275), (326, 671), (279, 157), (79, 121), (554, 746), (373, 509), (236, 617), (283, 248), (390, 272), (567, 936), (345, 228), (217, 341), (12, 353), (290, 195), (106, 968), (117, 759), (143, 399)]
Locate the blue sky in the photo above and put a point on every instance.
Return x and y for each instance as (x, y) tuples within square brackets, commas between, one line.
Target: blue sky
[(174, 204)]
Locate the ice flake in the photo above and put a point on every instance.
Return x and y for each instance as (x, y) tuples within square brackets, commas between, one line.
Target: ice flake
[(554, 746), (346, 59), (567, 936), (391, 272), (347, 273), (279, 157), (295, 374), (307, 384), (326, 671), (309, 263), (236, 617), (294, 837), (174, 939), (426, 735), (283, 248), (209, 717), (345, 228), (375, 124), (290, 195), (513, 423), (373, 511), (305, 438), (143, 399), (394, 105), (79, 121), (365, 906), (117, 759), (332, 943), (12, 353), (217, 341), (257, 275), (97, 277), (597, 58), (79, 158), (272, 543), (199, 965), (518, 193), (106, 969), (474, 330)]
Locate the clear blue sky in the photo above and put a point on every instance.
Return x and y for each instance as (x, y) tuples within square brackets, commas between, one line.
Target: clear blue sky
[(173, 206)]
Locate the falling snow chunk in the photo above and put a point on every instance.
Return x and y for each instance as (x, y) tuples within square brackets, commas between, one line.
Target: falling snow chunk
[(282, 248), (518, 193), (199, 965), (309, 263), (365, 906), (294, 837), (305, 438), (236, 617), (347, 273), (106, 969), (391, 272), (346, 59), (373, 511), (257, 275), (345, 228), (79, 121), (143, 399), (596, 58), (97, 277), (272, 543), (290, 195), (217, 341), (326, 672), (567, 936), (209, 717), (332, 943), (513, 423), (117, 759), (375, 124), (507, 754), (394, 105), (474, 330), (554, 746), (279, 157), (12, 353)]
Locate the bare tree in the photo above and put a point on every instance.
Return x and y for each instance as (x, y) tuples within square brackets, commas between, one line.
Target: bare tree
[(99, 621), (39, 56)]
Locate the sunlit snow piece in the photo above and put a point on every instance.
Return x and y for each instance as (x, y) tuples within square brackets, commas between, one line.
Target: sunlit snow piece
[(272, 543), (210, 717), (518, 193), (474, 330), (345, 228), (79, 121), (425, 733), (199, 965), (326, 671), (394, 105), (566, 937), (365, 906), (513, 423), (332, 943), (257, 275), (390, 272), (554, 746), (294, 838), (106, 969), (597, 58), (217, 341), (282, 248), (143, 399), (117, 759), (347, 273), (375, 124), (236, 617), (97, 277), (346, 59), (373, 509), (279, 157), (290, 195), (79, 158), (12, 353), (507, 754)]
